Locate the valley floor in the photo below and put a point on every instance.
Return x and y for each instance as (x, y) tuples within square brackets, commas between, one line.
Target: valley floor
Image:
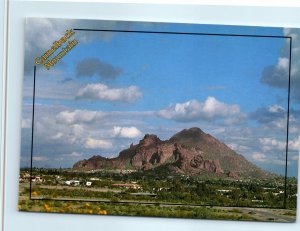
[(84, 205), (154, 194)]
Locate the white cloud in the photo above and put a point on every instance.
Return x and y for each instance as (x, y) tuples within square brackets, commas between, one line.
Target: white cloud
[(66, 134), (283, 63), (193, 110), (77, 130), (213, 108), (101, 144), (274, 119), (295, 144), (40, 33), (101, 91), (277, 74), (238, 148), (273, 144), (79, 116), (275, 108), (260, 157), (182, 111), (280, 123), (74, 154), (57, 136), (61, 130), (126, 132), (40, 158)]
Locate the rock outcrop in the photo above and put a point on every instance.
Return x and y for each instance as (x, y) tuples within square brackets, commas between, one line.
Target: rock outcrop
[(190, 151)]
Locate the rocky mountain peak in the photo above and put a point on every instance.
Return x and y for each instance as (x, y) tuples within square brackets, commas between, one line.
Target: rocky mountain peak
[(188, 135), (190, 151), (150, 139)]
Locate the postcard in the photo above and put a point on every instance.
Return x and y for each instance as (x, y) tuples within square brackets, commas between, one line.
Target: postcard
[(160, 120)]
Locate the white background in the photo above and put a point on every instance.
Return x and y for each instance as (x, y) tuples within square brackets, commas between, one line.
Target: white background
[(189, 13), (2, 34)]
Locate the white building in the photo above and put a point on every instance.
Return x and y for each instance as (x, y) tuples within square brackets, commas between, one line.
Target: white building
[(88, 183)]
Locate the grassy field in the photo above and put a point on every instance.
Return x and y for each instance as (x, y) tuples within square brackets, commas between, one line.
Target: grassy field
[(110, 208), (187, 198)]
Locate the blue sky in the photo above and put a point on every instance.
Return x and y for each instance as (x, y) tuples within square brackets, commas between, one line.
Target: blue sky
[(114, 87)]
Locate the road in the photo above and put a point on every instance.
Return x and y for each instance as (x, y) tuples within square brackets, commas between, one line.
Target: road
[(270, 213)]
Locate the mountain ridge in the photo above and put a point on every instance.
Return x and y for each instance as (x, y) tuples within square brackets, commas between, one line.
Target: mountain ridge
[(190, 151)]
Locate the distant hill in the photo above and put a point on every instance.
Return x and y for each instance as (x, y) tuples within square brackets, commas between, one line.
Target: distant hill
[(190, 151)]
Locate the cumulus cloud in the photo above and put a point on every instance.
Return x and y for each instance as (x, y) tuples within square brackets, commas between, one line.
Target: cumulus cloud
[(260, 157), (274, 119), (95, 144), (39, 36), (77, 129), (194, 110), (238, 147), (40, 33), (269, 114), (281, 124), (79, 116), (57, 136), (276, 109), (94, 67), (269, 144), (295, 144), (277, 74), (69, 133), (103, 92), (60, 131), (126, 132)]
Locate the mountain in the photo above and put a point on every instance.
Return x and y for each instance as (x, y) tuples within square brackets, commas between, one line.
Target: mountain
[(190, 151)]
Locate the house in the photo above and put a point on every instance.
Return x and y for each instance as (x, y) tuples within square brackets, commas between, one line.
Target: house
[(280, 192), (37, 179), (72, 182), (68, 182), (223, 190), (88, 183), (76, 182)]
